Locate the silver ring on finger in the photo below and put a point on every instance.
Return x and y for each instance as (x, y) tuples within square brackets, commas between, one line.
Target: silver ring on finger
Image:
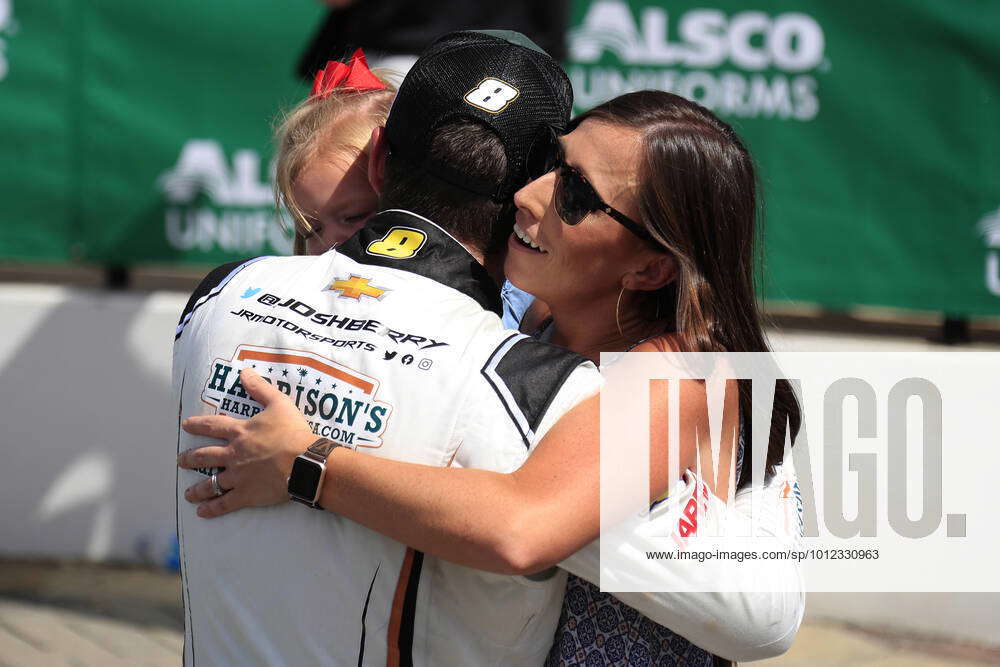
[(216, 489)]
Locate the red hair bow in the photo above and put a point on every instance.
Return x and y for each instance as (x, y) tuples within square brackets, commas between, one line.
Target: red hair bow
[(336, 74)]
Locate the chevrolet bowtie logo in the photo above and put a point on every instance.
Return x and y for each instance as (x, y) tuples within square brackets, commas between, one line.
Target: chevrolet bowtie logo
[(355, 287)]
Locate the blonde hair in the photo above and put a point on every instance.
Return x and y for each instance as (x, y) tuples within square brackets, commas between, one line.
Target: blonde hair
[(341, 123)]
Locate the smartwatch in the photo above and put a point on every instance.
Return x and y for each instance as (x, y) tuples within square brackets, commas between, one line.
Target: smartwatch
[(306, 479)]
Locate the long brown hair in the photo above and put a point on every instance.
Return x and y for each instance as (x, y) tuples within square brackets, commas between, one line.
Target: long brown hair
[(698, 199)]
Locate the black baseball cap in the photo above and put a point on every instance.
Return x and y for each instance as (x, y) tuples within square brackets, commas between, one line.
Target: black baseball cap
[(498, 78)]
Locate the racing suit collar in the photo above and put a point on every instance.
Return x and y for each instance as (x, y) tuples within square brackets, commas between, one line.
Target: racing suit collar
[(429, 251)]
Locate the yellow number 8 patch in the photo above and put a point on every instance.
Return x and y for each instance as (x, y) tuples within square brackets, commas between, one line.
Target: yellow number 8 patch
[(398, 243)]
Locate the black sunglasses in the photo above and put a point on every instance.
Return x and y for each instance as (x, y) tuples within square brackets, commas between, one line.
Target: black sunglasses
[(575, 199), (574, 196)]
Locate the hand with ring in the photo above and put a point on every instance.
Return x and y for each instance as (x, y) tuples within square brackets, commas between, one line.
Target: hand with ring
[(256, 454), (216, 489)]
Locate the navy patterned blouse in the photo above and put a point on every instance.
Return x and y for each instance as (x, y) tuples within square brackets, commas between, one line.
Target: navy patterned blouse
[(599, 629)]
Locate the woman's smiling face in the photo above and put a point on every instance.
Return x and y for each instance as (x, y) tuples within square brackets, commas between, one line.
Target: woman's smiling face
[(336, 199), (558, 262)]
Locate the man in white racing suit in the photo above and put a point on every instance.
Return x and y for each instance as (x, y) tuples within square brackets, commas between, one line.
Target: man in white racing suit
[(380, 359), (392, 346)]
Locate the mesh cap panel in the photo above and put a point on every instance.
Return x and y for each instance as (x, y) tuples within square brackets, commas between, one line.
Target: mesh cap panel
[(507, 84)]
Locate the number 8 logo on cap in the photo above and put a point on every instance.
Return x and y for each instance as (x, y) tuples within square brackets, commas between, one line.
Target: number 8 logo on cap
[(492, 95)]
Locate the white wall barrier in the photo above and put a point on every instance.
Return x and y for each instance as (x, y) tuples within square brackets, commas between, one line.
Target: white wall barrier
[(88, 442), (87, 434)]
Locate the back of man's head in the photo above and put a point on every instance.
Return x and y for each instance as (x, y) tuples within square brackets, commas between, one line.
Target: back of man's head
[(465, 124)]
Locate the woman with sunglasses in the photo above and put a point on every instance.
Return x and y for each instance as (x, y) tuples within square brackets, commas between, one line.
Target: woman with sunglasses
[(641, 236)]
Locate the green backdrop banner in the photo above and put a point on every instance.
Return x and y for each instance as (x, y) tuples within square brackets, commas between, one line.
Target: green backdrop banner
[(876, 127), (136, 133)]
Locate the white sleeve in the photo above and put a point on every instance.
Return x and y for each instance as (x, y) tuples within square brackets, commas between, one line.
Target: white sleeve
[(525, 387), (585, 382), (731, 623)]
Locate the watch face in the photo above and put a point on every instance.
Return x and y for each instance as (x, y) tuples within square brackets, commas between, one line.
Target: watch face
[(304, 479)]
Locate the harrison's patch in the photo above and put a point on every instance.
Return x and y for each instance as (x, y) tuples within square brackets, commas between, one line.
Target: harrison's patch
[(339, 402)]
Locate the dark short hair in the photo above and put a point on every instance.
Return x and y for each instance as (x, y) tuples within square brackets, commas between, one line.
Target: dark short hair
[(474, 219)]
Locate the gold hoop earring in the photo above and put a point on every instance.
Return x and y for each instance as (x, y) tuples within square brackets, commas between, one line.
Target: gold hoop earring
[(617, 307)]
